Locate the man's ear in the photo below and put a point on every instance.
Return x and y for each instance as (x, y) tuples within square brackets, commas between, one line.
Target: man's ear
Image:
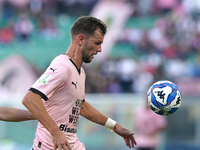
[(81, 39)]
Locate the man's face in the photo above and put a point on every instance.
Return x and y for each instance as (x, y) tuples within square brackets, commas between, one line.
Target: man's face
[(92, 46)]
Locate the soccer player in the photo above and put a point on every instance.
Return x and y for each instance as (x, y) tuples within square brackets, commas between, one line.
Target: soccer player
[(58, 97), (148, 128)]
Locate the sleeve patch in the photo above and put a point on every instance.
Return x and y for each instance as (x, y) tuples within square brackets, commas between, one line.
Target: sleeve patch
[(44, 78)]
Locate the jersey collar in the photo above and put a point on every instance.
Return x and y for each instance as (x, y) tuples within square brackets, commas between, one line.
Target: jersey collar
[(79, 70)]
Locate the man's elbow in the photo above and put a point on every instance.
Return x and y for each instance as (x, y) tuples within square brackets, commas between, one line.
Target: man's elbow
[(31, 98), (26, 99)]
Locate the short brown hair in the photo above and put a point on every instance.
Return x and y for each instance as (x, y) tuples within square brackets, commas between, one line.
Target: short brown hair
[(87, 25)]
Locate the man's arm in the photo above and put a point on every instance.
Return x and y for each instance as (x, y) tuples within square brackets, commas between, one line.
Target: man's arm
[(34, 104), (15, 115), (92, 114)]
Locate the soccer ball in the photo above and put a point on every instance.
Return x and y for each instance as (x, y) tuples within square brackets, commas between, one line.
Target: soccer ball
[(164, 97)]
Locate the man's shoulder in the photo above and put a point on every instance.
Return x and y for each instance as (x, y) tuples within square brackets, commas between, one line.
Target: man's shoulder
[(60, 65), (62, 60)]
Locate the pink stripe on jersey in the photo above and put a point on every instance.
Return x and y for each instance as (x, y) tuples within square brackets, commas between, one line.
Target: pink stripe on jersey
[(62, 87)]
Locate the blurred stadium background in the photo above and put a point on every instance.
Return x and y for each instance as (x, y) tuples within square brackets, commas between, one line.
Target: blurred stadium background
[(147, 40)]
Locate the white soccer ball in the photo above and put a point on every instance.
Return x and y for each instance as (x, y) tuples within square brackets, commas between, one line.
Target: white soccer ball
[(164, 97)]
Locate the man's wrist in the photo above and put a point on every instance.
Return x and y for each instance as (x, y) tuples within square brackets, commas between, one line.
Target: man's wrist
[(54, 130), (110, 124)]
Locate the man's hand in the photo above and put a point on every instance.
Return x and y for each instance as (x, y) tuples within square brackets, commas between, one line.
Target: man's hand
[(126, 134), (60, 141), (34, 104)]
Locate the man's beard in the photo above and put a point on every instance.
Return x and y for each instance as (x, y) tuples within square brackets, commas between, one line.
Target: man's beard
[(85, 54)]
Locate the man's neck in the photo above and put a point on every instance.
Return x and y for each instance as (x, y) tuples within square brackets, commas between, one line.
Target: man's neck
[(75, 55)]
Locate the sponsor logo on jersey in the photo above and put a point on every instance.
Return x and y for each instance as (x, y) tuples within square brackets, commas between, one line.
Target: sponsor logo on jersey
[(39, 144), (53, 69), (44, 78), (65, 128)]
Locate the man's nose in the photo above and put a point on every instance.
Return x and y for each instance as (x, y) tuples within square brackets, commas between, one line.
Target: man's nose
[(99, 49)]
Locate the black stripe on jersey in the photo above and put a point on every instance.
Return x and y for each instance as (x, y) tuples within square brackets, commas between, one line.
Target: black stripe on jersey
[(39, 93), (79, 70)]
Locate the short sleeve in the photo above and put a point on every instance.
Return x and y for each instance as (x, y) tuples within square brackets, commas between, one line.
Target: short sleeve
[(53, 78)]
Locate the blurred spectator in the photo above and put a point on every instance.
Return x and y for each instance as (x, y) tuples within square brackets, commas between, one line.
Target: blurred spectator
[(35, 7), (110, 75), (191, 7), (145, 7), (126, 69), (166, 6), (7, 10), (24, 28), (47, 28), (148, 128), (6, 35), (99, 86), (20, 4), (113, 85)]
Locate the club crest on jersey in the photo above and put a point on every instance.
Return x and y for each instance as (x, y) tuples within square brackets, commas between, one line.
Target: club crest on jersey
[(44, 78)]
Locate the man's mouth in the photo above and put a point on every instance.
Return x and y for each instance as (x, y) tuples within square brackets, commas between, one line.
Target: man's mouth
[(93, 55)]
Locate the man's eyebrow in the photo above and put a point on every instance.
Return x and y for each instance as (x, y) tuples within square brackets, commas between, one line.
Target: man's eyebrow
[(101, 33), (99, 42)]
